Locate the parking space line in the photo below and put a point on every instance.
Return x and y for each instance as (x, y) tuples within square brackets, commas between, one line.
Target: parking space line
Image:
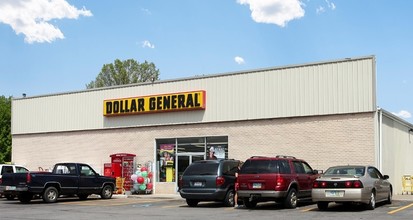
[(400, 209), (309, 209)]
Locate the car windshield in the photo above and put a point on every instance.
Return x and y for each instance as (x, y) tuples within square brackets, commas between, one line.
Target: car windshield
[(202, 169), (265, 166), (348, 170)]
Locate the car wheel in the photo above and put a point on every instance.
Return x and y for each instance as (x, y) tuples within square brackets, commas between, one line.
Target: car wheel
[(107, 192), (10, 197), (50, 195), (390, 198), (25, 197), (192, 202), (229, 198), (291, 199), (322, 205), (372, 202), (250, 204)]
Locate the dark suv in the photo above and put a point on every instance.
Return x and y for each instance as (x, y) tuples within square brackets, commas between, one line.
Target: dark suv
[(209, 180), (283, 179)]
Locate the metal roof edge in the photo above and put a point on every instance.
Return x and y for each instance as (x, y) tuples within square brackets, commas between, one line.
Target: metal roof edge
[(396, 118), (201, 76)]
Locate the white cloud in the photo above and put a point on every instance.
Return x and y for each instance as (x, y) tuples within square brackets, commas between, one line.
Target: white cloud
[(146, 11), (403, 114), (331, 5), (146, 43), (278, 12), (320, 10), (32, 17), (239, 60)]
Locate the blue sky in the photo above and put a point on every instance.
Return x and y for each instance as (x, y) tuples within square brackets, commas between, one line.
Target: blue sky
[(54, 46)]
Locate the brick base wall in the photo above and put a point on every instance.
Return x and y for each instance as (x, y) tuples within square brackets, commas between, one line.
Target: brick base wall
[(321, 140)]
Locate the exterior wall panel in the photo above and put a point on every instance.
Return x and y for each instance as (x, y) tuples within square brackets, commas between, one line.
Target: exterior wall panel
[(337, 87), (397, 150)]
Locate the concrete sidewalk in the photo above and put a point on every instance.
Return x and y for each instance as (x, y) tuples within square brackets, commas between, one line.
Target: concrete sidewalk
[(148, 196), (404, 197)]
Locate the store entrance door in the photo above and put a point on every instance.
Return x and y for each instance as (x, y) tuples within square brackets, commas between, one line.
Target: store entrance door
[(184, 159)]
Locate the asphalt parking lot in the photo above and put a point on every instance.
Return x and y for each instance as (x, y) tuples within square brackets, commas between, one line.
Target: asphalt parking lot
[(173, 207)]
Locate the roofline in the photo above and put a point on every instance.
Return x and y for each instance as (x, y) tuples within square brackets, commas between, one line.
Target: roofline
[(205, 76), (396, 118)]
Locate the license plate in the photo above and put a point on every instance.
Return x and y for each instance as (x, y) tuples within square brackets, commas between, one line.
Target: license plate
[(334, 193), (198, 184), (10, 188), (256, 185)]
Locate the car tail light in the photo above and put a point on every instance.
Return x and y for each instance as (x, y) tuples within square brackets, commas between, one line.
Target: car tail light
[(354, 184), (319, 184), (220, 181), (280, 182), (340, 184), (28, 178)]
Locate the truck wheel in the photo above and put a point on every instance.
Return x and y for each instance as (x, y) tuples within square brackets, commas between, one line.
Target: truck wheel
[(50, 195), (25, 197), (107, 192), (290, 201), (229, 198)]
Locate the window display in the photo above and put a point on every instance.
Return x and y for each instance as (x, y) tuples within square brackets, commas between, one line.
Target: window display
[(171, 151)]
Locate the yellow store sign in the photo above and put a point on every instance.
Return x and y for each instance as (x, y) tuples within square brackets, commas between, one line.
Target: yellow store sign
[(184, 101)]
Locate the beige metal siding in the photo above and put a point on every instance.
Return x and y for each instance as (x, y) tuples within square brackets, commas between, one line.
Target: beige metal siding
[(337, 87), (397, 150)]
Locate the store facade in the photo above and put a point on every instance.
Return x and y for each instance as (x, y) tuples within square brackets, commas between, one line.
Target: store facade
[(322, 112)]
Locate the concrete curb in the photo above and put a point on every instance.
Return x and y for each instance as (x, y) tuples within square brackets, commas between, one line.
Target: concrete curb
[(177, 196), (147, 196)]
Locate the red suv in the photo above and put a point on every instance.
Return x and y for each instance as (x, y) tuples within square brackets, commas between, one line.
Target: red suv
[(283, 179)]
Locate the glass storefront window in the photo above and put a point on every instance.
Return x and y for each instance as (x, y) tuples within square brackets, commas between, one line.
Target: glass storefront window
[(178, 153), (191, 145), (165, 160), (217, 147)]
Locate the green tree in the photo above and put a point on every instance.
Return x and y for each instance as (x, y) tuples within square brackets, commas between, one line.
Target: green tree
[(125, 72), (5, 129)]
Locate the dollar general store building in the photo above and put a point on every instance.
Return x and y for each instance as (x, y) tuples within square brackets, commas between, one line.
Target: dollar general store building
[(324, 112)]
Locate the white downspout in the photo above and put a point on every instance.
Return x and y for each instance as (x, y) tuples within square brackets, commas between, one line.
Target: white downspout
[(380, 165)]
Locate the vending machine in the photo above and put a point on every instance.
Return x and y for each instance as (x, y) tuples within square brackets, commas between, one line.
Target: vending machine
[(122, 168)]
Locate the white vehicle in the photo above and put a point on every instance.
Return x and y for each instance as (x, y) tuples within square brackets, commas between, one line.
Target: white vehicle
[(11, 168)]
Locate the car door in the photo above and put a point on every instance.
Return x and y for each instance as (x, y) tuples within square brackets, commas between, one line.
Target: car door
[(305, 177), (380, 184), (67, 179), (89, 182)]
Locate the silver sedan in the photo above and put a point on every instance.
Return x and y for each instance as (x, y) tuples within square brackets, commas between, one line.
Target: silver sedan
[(352, 184)]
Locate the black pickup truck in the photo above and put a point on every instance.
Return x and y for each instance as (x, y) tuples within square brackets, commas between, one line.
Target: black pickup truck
[(65, 179)]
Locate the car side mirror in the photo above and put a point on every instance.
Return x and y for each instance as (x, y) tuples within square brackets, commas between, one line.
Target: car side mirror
[(386, 177), (318, 172)]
